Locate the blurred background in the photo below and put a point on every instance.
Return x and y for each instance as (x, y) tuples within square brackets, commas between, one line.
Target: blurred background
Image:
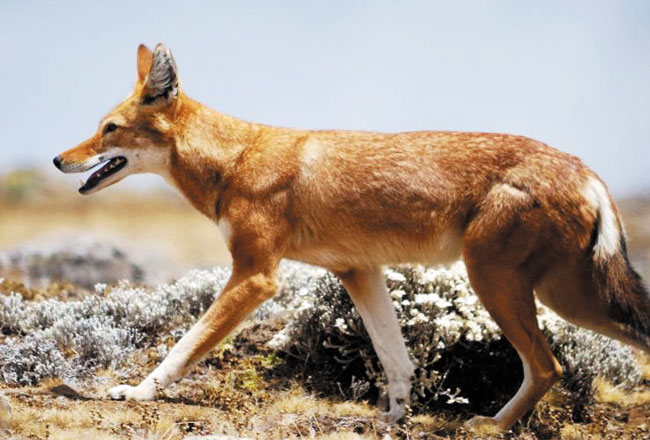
[(575, 75)]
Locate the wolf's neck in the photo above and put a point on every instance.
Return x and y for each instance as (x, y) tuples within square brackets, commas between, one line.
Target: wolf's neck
[(208, 145)]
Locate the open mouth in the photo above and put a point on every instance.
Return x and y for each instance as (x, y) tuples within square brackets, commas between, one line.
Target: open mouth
[(113, 166)]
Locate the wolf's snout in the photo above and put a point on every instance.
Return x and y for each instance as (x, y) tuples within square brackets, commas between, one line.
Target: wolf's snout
[(57, 162)]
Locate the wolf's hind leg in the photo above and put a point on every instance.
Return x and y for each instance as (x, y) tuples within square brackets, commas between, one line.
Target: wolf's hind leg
[(369, 293), (509, 299)]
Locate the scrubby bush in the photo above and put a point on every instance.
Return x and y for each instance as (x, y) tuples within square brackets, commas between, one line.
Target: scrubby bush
[(459, 351), (30, 360), (71, 339), (13, 313)]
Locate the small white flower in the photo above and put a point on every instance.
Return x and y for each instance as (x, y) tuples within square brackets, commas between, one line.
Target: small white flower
[(468, 300), (418, 317), (340, 324), (424, 298), (429, 276), (395, 276), (397, 294), (432, 298)]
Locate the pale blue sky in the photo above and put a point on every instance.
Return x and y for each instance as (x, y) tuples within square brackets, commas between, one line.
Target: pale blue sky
[(574, 74)]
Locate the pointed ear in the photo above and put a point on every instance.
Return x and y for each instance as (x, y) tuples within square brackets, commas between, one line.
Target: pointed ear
[(145, 59), (162, 78)]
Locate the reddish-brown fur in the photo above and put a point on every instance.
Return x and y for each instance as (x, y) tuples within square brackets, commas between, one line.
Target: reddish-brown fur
[(515, 209)]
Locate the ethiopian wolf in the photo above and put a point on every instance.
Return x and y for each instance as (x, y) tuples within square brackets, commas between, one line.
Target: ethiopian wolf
[(526, 218)]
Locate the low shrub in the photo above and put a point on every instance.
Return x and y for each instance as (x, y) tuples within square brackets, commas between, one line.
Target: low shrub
[(460, 354)]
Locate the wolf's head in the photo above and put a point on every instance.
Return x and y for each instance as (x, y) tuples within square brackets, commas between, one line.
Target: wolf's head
[(137, 136)]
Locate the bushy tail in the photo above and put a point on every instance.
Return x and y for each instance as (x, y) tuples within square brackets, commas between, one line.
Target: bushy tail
[(627, 297), (617, 282)]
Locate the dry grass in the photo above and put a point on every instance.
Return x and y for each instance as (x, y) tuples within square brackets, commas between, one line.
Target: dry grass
[(644, 362), (288, 411), (608, 393), (572, 431), (296, 401), (41, 415), (342, 436)]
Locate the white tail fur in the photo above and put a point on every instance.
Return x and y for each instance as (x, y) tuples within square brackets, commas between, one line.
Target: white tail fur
[(608, 241)]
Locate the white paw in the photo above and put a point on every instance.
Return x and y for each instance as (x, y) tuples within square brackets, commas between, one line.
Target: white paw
[(126, 392)]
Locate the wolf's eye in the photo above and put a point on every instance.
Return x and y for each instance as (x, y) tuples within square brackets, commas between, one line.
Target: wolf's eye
[(110, 127)]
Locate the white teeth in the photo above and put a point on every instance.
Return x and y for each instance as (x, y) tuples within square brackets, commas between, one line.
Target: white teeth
[(108, 168)]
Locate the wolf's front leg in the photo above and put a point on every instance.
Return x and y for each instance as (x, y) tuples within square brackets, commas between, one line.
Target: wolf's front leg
[(369, 293), (243, 293)]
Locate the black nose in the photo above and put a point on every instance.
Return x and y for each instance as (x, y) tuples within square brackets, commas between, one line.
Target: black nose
[(57, 162)]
